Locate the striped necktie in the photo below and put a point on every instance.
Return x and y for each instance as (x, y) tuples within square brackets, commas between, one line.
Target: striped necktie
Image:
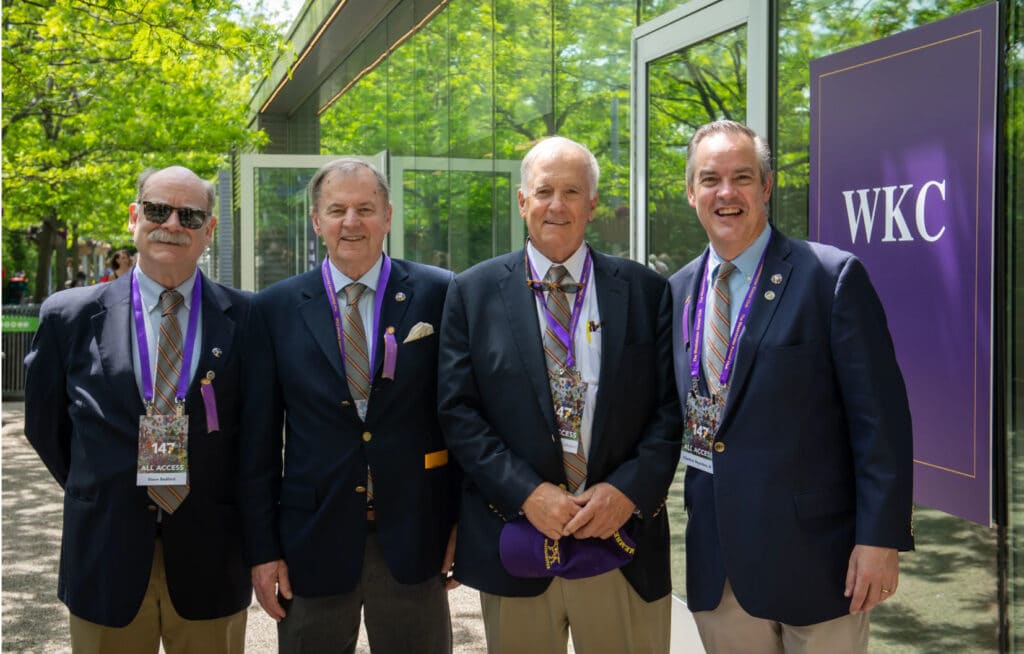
[(357, 359), (555, 355), (716, 341), (168, 371)]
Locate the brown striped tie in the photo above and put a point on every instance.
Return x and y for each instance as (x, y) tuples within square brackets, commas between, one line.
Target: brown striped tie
[(555, 355), (357, 359), (168, 371), (716, 341)]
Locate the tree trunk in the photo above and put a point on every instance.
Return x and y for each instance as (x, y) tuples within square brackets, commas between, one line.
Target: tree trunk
[(60, 255), (49, 242), (44, 241)]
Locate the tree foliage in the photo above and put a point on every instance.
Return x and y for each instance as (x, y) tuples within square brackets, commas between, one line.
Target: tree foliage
[(96, 90)]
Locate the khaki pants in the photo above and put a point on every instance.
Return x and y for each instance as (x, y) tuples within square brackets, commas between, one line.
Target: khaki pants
[(729, 629), (157, 618), (603, 613)]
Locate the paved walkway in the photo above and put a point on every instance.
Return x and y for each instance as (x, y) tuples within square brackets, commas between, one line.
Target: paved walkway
[(35, 621)]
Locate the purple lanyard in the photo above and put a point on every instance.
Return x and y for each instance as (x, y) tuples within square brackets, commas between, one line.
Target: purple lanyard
[(378, 301), (737, 331), (190, 340), (574, 318)]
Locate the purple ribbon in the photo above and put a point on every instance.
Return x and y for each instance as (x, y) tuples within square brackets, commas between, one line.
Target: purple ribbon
[(390, 353), (332, 299), (210, 403), (574, 318), (190, 340), (737, 330)]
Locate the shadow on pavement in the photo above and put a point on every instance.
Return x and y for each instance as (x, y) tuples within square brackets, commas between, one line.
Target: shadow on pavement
[(34, 620)]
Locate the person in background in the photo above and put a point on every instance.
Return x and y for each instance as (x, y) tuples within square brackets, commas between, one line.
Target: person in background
[(118, 263)]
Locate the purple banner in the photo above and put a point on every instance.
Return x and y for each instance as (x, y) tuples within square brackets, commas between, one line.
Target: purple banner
[(902, 168)]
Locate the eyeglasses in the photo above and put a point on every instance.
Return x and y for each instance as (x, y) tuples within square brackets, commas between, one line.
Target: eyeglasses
[(541, 285), (159, 213)]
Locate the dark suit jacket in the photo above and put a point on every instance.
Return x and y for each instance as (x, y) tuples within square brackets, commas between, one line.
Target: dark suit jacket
[(496, 410), (312, 513), (82, 408), (816, 435)]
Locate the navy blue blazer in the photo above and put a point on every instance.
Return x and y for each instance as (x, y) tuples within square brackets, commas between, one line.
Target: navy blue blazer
[(311, 511), (82, 408), (816, 434), (496, 410)]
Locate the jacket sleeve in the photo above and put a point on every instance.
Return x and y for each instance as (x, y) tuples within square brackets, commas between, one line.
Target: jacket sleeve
[(47, 421), (504, 478), (878, 414), (259, 469)]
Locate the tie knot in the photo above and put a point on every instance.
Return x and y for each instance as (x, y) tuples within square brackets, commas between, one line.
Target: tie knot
[(169, 301), (557, 274), (353, 292), (725, 269)]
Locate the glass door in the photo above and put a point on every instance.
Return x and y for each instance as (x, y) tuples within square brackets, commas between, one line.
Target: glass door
[(703, 61)]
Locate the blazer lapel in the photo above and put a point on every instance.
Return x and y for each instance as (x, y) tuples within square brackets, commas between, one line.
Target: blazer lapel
[(113, 330), (613, 307), (761, 312), (392, 311), (316, 313), (521, 313), (217, 334)]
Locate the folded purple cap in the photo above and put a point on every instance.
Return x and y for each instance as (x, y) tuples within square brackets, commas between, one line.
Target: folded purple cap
[(525, 552)]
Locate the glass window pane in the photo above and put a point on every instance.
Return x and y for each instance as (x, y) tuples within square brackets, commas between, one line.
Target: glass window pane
[(592, 41), (284, 244), (686, 89)]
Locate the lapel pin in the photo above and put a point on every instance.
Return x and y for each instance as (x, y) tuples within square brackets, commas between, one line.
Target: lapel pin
[(776, 278), (217, 352), (769, 295), (399, 296), (210, 375)]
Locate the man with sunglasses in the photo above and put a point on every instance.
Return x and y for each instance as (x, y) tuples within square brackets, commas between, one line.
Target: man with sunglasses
[(131, 398)]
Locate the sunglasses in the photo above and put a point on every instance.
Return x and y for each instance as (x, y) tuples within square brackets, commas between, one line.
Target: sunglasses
[(159, 213)]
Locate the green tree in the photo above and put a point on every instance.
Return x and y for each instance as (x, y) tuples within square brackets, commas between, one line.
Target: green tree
[(96, 90)]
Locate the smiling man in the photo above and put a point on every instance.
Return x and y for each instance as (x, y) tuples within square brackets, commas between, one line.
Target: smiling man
[(357, 518), (132, 400), (557, 400), (798, 437)]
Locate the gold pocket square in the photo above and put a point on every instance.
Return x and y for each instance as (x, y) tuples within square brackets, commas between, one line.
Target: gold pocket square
[(418, 331)]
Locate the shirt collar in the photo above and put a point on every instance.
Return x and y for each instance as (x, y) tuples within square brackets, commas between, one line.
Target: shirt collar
[(370, 278), (150, 289), (746, 261), (574, 264)]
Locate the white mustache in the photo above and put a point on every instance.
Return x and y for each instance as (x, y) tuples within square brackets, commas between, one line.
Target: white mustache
[(162, 236)]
